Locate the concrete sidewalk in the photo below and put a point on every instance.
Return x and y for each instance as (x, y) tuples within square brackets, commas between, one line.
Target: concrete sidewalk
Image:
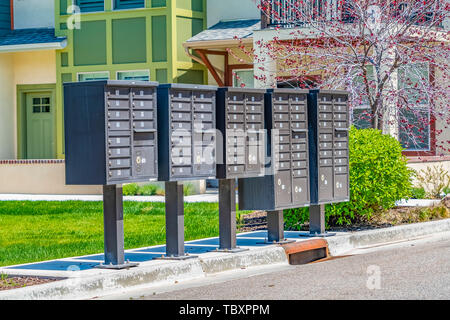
[(81, 280)]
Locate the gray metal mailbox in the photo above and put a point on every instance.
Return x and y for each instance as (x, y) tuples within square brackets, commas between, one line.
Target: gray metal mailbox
[(329, 125), (287, 183), (110, 132), (187, 118), (111, 139), (240, 121)]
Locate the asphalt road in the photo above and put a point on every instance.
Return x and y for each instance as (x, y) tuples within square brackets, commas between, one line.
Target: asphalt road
[(413, 271)]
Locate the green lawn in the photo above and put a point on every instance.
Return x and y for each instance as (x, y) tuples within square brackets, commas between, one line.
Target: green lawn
[(36, 231)]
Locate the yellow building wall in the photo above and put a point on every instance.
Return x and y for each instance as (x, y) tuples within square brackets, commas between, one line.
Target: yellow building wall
[(7, 108)]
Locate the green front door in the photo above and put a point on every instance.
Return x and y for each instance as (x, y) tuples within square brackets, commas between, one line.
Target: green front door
[(40, 126)]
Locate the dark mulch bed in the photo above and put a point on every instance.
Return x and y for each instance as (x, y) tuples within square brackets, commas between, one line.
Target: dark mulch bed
[(8, 283)]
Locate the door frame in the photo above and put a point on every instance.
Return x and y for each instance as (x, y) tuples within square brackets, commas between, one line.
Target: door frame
[(22, 91)]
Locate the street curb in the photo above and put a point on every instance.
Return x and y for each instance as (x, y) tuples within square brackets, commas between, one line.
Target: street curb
[(344, 243), (167, 272)]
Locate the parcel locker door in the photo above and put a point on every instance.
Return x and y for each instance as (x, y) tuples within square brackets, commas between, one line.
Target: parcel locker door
[(300, 191), (341, 186), (283, 188), (325, 183), (144, 161)]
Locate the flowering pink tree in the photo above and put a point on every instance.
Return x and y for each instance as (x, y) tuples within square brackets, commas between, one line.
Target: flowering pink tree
[(393, 56)]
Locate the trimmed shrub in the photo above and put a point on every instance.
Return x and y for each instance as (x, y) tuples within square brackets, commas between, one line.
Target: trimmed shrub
[(379, 176)]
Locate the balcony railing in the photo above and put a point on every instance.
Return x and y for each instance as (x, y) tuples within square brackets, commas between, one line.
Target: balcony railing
[(298, 13)]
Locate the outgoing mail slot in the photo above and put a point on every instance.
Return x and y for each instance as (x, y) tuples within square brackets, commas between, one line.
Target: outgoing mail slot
[(300, 190), (119, 104), (341, 136), (207, 117), (143, 104), (143, 115), (203, 107), (118, 125), (118, 115), (119, 163), (235, 108), (119, 152), (119, 141), (234, 117), (299, 137), (181, 116), (144, 138), (119, 174)]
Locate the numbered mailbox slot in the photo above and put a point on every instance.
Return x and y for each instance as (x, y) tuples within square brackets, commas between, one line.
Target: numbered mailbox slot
[(283, 188), (299, 147), (119, 152), (143, 104), (339, 153), (203, 117), (203, 107), (281, 98), (282, 165), (118, 92), (143, 93), (235, 108), (181, 161), (181, 171), (341, 145), (119, 163), (203, 138), (119, 141), (299, 172), (340, 161), (253, 108), (299, 156), (143, 126), (181, 96), (180, 116), (119, 125), (298, 108), (254, 126), (236, 126), (235, 139), (235, 159), (119, 174), (283, 156), (203, 96), (298, 117), (299, 164), (181, 106), (325, 125), (181, 126), (254, 118), (325, 154), (280, 108), (143, 114), (298, 125), (253, 98), (236, 169), (235, 118), (340, 169), (325, 108), (179, 139)]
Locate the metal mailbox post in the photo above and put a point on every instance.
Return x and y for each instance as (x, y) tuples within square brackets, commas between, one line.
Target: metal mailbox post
[(186, 151), (328, 115), (240, 152), (110, 139), (286, 185)]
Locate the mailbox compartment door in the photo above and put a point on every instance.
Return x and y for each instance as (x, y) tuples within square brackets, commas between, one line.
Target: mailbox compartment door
[(144, 161), (283, 188), (300, 190)]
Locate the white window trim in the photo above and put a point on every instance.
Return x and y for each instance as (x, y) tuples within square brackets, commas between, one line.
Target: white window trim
[(95, 72), (120, 71), (237, 70)]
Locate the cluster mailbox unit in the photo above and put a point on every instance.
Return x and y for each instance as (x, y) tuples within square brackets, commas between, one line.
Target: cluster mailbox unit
[(286, 183), (186, 151), (110, 139), (329, 153), (240, 151), (288, 148)]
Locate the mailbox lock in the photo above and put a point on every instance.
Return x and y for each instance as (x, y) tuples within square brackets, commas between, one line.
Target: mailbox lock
[(138, 160), (134, 115)]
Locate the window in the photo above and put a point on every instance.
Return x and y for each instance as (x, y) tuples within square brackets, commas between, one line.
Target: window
[(91, 76), (143, 75), (128, 4), (362, 113), (91, 5), (414, 115), (243, 78)]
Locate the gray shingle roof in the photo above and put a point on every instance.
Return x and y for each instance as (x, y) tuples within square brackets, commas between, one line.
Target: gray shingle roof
[(29, 36), (228, 30)]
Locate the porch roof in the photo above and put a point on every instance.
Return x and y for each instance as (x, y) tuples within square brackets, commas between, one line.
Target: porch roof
[(227, 30), (31, 39)]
